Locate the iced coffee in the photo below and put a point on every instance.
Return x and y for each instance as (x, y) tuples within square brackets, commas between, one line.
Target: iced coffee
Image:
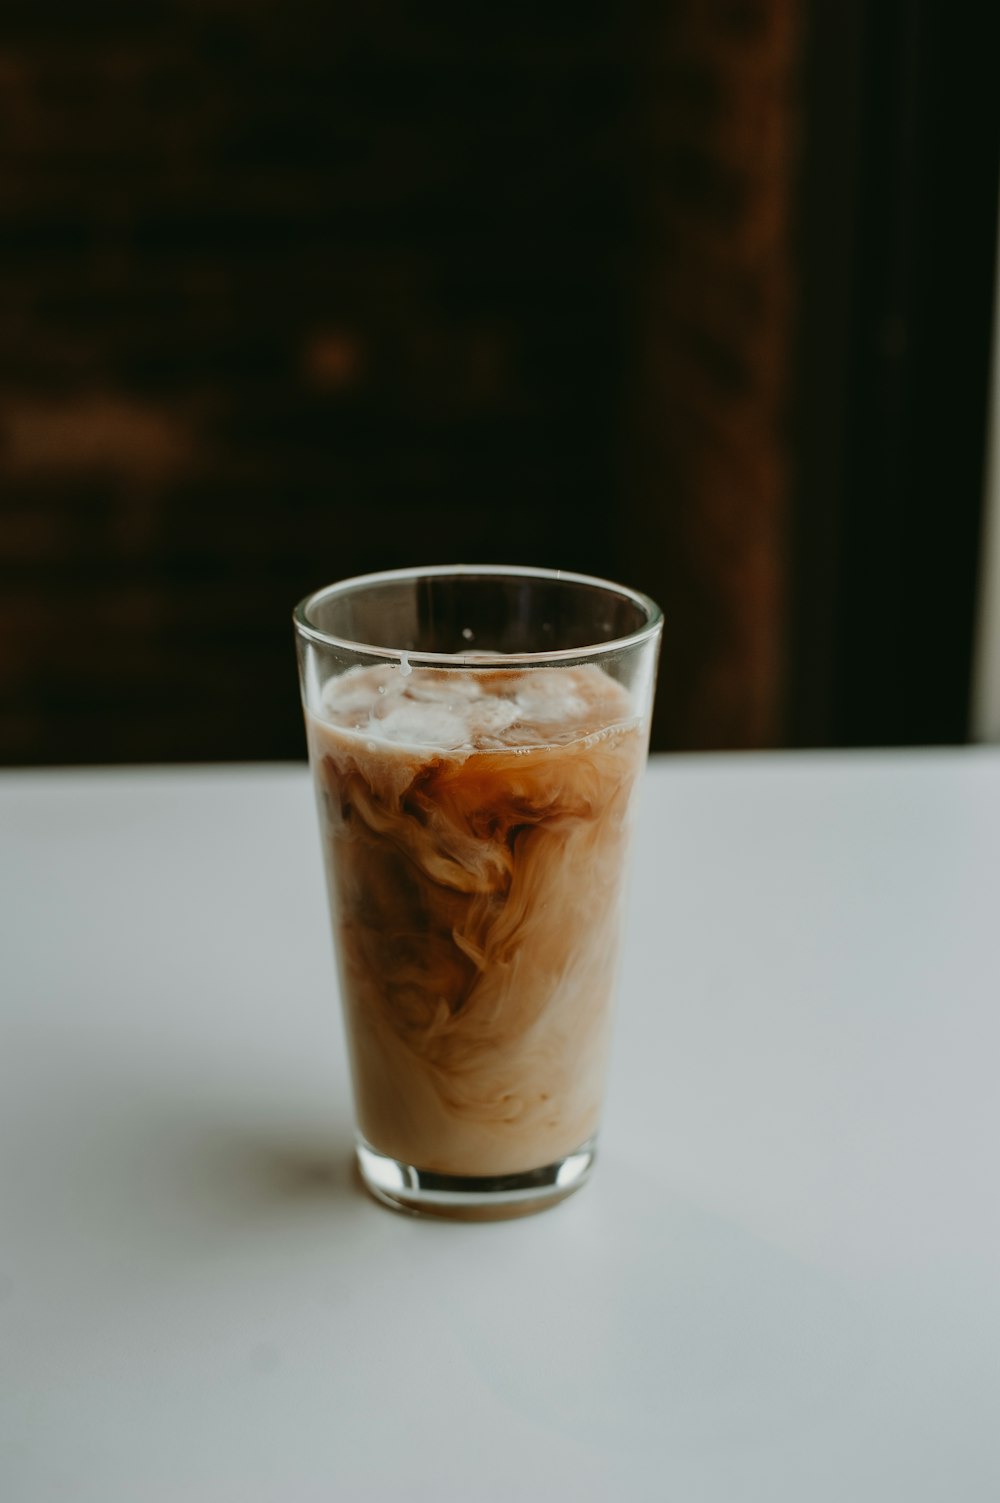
[(474, 828)]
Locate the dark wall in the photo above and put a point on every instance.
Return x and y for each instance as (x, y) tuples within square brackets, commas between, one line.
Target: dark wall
[(898, 209), (292, 291), (289, 293)]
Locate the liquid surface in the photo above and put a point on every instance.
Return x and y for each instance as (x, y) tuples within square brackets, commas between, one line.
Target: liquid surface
[(475, 829)]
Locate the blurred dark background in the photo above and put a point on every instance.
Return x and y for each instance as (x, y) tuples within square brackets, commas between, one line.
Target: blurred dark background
[(696, 295)]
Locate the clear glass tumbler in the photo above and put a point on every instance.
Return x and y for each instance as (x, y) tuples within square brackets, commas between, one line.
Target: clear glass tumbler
[(476, 736)]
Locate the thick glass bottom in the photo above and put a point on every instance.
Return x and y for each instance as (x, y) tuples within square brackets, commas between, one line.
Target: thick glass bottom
[(466, 1198)]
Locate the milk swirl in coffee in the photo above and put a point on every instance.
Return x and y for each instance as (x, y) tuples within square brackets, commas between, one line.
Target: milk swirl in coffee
[(474, 831)]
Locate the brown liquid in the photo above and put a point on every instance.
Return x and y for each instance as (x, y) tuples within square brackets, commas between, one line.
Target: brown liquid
[(476, 889)]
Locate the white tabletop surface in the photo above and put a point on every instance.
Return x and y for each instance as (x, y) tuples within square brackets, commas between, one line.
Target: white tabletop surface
[(782, 1282)]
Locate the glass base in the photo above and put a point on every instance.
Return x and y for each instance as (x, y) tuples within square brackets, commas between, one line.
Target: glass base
[(465, 1198)]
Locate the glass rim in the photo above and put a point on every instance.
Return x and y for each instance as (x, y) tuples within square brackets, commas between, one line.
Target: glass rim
[(312, 633)]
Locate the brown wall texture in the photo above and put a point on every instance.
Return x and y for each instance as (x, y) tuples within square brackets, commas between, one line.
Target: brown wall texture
[(292, 291)]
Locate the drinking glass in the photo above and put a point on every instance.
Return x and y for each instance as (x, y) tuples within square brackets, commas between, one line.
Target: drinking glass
[(477, 736)]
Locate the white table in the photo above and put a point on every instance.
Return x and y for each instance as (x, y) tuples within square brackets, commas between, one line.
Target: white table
[(782, 1283)]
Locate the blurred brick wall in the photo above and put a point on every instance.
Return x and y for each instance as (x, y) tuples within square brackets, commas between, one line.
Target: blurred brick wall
[(292, 291)]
